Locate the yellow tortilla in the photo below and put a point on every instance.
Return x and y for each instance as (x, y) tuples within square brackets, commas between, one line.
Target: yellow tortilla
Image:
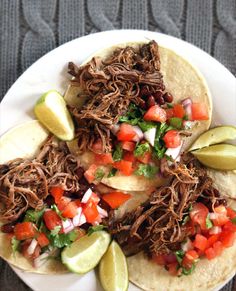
[(182, 80)]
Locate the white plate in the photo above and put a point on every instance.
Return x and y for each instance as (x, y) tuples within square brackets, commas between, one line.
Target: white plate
[(49, 72)]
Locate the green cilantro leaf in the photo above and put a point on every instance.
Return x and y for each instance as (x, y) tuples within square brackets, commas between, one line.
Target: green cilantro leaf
[(95, 228), (185, 219), (188, 271), (61, 240), (233, 220), (117, 154), (146, 125), (141, 149), (34, 216), (56, 230), (147, 171), (209, 224), (112, 173), (133, 115), (176, 122), (99, 174), (14, 244), (179, 256), (159, 145), (73, 235)]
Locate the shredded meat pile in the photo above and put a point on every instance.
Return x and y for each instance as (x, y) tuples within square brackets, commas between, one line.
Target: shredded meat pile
[(156, 226), (25, 183), (110, 86)]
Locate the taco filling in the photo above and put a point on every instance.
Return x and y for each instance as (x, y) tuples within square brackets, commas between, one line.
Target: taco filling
[(136, 111)]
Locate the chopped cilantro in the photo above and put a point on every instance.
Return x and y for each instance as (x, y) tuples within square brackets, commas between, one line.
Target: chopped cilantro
[(34, 216), (233, 220), (117, 154), (141, 149), (99, 174), (176, 122), (95, 228), (73, 235), (61, 240), (112, 173), (188, 271), (56, 230), (146, 125), (147, 171), (14, 244), (159, 145), (58, 212), (133, 115), (179, 256), (209, 224), (185, 117)]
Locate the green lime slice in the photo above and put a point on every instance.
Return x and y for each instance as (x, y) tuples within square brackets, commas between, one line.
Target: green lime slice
[(214, 136), (84, 254), (113, 271), (52, 112), (219, 157)]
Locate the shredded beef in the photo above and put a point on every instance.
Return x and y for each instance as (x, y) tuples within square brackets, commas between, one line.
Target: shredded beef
[(110, 85), (25, 183), (156, 226)]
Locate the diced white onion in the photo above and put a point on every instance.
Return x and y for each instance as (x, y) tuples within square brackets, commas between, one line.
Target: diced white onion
[(115, 128), (82, 219), (67, 225), (41, 260), (150, 135), (187, 246), (187, 104), (76, 219), (215, 230), (139, 133), (103, 213), (174, 152), (32, 246), (213, 215), (86, 196)]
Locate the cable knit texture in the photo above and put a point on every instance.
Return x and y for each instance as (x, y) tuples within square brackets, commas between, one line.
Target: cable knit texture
[(31, 28)]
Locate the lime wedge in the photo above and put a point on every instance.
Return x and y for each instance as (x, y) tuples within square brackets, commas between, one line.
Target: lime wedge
[(214, 136), (52, 113), (113, 271), (219, 157), (84, 254)]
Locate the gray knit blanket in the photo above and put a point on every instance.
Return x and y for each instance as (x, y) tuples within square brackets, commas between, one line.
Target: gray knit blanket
[(31, 28)]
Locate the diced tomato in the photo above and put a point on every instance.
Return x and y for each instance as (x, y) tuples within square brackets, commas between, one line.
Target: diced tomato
[(52, 220), (210, 253), (212, 239), (42, 240), (129, 156), (115, 199), (104, 159), (220, 219), (159, 259), (191, 255), (70, 210), (78, 202), (186, 263), (57, 193), (229, 226), (124, 166), (172, 139), (227, 238), (90, 211), (199, 214), (178, 111), (126, 132), (221, 210), (63, 202), (173, 269), (145, 158), (97, 146), (218, 248), (199, 111), (94, 198), (24, 230), (200, 242), (128, 146), (90, 173), (231, 213), (155, 113), (169, 113)]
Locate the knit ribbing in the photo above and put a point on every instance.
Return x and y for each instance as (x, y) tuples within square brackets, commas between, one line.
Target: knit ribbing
[(134, 14), (9, 42), (199, 23)]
